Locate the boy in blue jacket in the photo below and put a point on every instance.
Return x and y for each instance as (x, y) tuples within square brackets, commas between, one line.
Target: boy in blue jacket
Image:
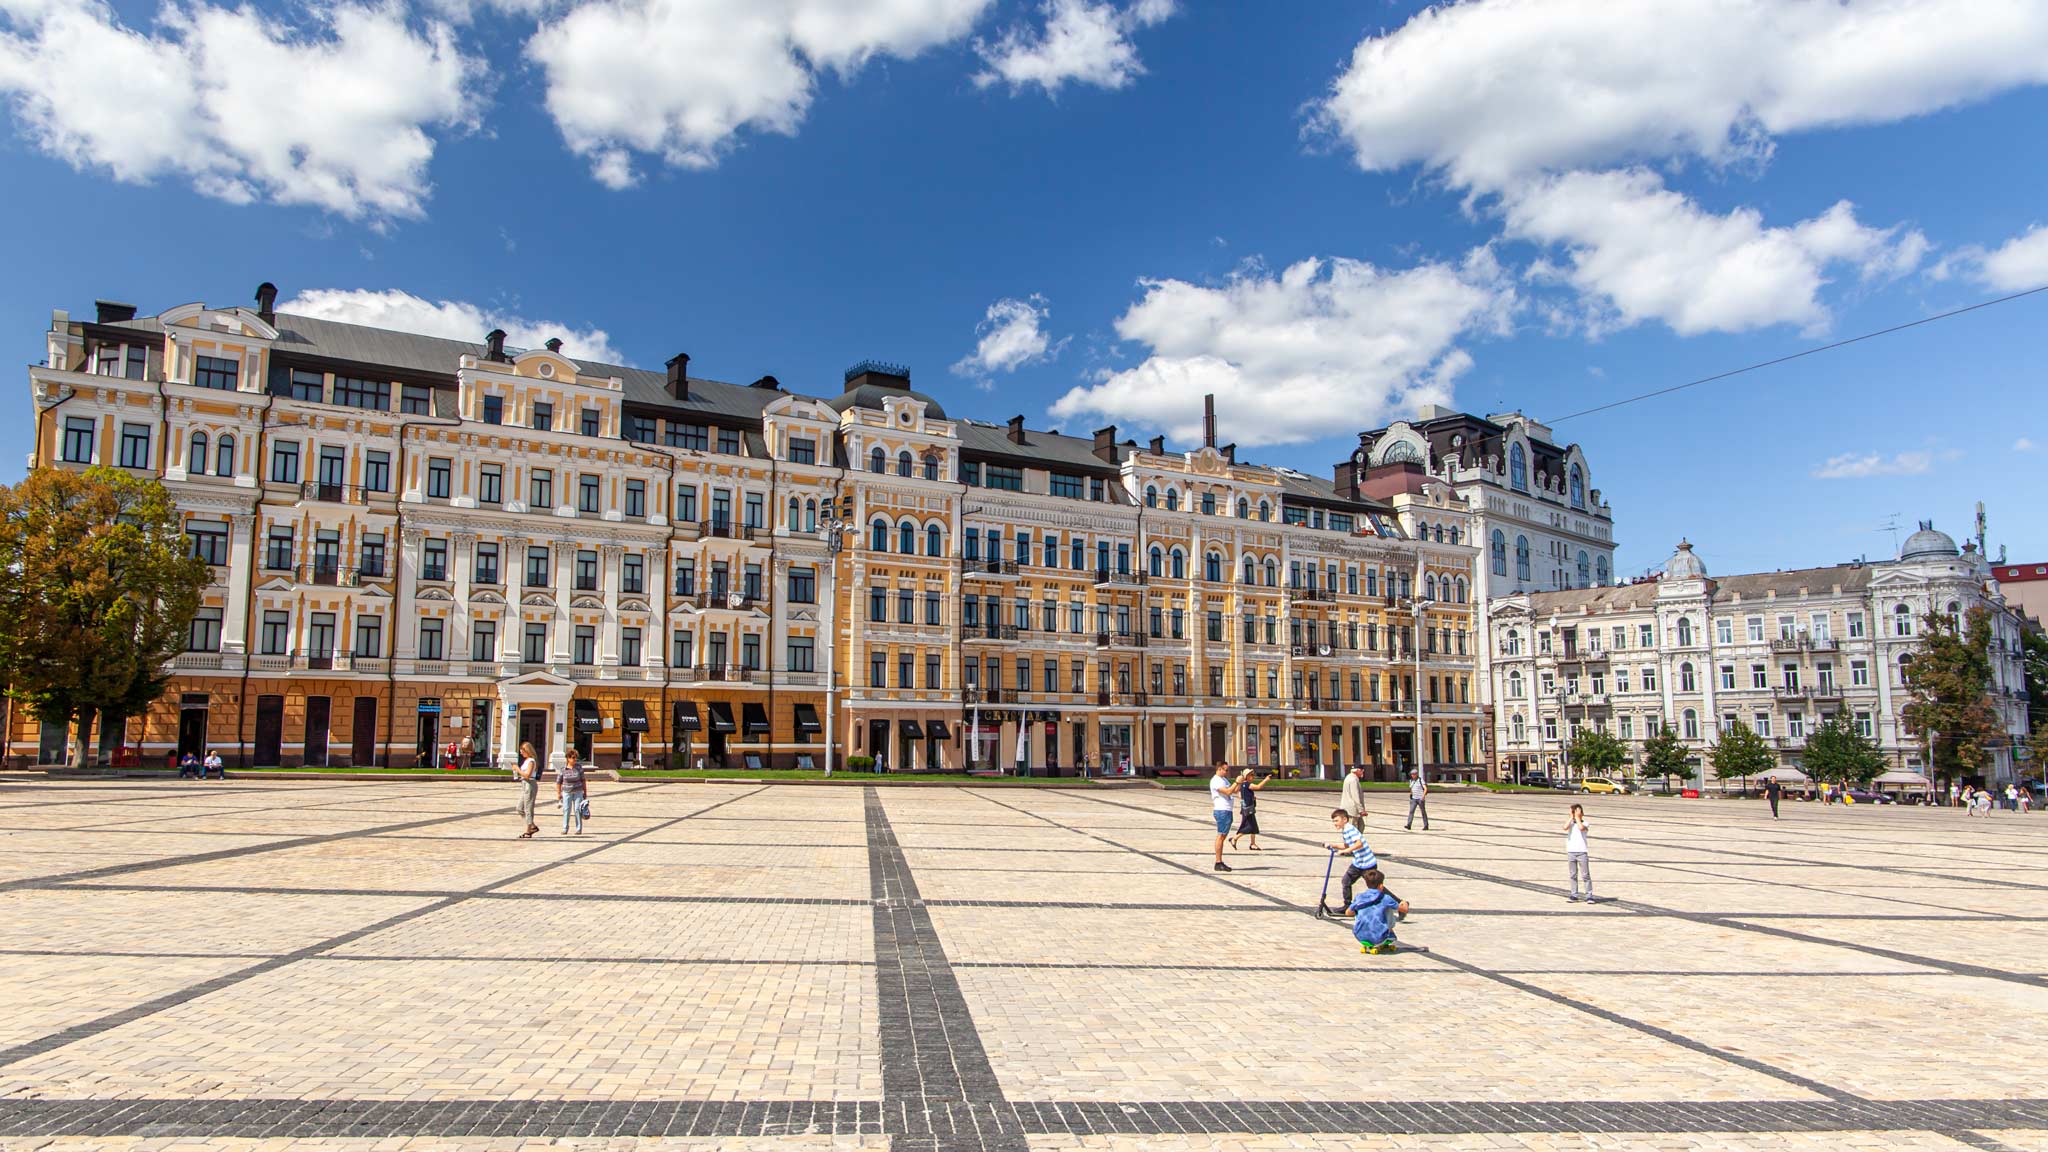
[(1375, 911)]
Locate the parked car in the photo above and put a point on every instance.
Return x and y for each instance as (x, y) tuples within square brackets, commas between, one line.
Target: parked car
[(1603, 786), (1867, 796), (1564, 784), (1535, 779)]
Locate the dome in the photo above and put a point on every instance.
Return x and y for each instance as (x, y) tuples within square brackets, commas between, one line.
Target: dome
[(871, 395), (1927, 543), (1683, 565)]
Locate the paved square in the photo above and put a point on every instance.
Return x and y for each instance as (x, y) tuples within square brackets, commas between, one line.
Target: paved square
[(383, 965)]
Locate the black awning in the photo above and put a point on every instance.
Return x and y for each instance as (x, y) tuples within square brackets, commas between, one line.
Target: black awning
[(807, 718), (686, 718), (721, 717), (587, 718), (911, 729), (755, 719), (937, 730), (634, 713)]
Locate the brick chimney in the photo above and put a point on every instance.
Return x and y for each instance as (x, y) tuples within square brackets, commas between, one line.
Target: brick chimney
[(494, 344), (1159, 445), (1105, 444), (679, 376), (266, 302), (1016, 430), (112, 312), (555, 345), (1209, 420)]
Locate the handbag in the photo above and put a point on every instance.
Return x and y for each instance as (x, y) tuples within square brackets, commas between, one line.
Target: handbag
[(583, 808)]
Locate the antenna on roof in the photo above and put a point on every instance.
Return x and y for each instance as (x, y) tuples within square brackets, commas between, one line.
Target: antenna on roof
[(1891, 525)]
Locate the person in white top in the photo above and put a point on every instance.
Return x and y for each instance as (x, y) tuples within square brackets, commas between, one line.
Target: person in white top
[(1223, 807), (1418, 800), (213, 764), (528, 777), (1575, 854)]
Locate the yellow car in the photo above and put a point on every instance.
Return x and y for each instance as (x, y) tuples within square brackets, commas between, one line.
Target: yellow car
[(1602, 786)]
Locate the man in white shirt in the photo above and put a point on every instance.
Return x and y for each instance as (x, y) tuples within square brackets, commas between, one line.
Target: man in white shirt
[(1418, 801), (1353, 801), (1222, 807)]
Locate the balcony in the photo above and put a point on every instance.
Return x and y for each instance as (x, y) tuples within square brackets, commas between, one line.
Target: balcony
[(991, 569), (727, 600), (725, 530), (717, 673), (364, 572), (323, 572), (1584, 656), (1121, 640), (1104, 578), (434, 574), (327, 493), (1315, 595), (1803, 644), (198, 662), (978, 694), (989, 632)]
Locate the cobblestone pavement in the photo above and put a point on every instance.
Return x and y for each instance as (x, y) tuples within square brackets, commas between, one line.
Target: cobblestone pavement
[(381, 966)]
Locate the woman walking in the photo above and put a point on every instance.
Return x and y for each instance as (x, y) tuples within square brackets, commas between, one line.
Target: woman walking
[(527, 775), (1248, 808), (571, 790)]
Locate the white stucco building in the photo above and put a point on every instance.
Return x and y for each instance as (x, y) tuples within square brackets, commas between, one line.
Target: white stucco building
[(1778, 651)]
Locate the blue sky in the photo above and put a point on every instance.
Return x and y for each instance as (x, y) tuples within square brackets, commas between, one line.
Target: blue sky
[(1093, 212)]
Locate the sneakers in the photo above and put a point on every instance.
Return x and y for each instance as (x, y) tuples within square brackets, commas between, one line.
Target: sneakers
[(1222, 867), (1574, 898)]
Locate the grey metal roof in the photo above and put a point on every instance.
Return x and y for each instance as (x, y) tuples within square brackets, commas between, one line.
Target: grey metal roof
[(1044, 449), (1306, 487), (1753, 588)]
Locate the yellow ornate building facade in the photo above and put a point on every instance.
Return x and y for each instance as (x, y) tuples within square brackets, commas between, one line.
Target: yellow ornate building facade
[(419, 542)]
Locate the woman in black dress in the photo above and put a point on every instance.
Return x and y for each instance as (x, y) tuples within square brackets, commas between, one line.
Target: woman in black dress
[(1248, 808)]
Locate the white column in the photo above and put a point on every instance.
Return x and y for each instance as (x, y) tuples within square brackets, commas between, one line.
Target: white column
[(564, 556), (455, 646), (235, 622), (511, 622), (405, 641), (613, 557)]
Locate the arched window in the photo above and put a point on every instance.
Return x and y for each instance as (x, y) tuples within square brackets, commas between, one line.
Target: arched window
[(224, 456), (1905, 668), (1250, 571), (1500, 553), (1518, 727), (1151, 496), (1212, 567), (878, 536), (1272, 572), (1600, 570), (795, 514), (1208, 503), (1173, 499), (1244, 508), (1454, 533), (810, 515), (1518, 468), (1585, 569), (1422, 530), (1521, 557), (1180, 564), (1265, 510), (1458, 585), (1578, 487), (1687, 682), (1955, 614), (906, 538), (878, 462), (1514, 643), (195, 457), (903, 463), (1691, 724), (1902, 620), (1515, 687), (1685, 633), (931, 466), (1155, 561), (934, 541), (1429, 586)]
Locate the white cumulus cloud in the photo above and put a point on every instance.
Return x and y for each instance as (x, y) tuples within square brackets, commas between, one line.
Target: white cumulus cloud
[(1011, 335), (2014, 266), (1490, 91), (337, 113), (1864, 465), (1325, 340), (1083, 42), (452, 319), (680, 79), (1636, 251), (2023, 445)]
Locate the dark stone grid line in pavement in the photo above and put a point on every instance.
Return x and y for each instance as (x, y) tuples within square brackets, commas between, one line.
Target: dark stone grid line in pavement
[(963, 1124), (31, 1048), (940, 1093), (1558, 998)]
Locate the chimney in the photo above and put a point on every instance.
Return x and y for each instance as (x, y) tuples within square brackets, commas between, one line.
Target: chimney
[(1159, 445), (1229, 452), (494, 345), (768, 382), (111, 312), (266, 302), (555, 345), (679, 376), (1346, 477), (1209, 420), (1016, 430), (1105, 444)]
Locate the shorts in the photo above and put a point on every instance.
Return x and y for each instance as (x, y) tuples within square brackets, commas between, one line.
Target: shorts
[(1223, 816)]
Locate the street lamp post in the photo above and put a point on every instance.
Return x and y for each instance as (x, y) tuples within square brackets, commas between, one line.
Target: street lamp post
[(831, 530), (1416, 606)]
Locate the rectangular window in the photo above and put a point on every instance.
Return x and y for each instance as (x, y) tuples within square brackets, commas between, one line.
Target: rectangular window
[(540, 489), (216, 372), (1728, 677), (750, 650), (430, 640), (1067, 486), (369, 636), (633, 574), (878, 669), (371, 560), (533, 644), (1724, 631), (134, 445), (590, 422), (284, 462), (306, 385), (1761, 721), (686, 504), (204, 634), (78, 431), (1795, 725), (1649, 679), (629, 647), (494, 409), (586, 571), (1755, 627), (439, 472), (209, 540), (692, 436), (415, 399), (490, 484), (729, 441), (802, 654), (1859, 674), (1003, 477), (371, 394), (1646, 635), (543, 417), (636, 498), (483, 641), (640, 429), (585, 650), (588, 494), (1626, 726), (276, 639), (277, 550), (803, 585), (1759, 676), (537, 567), (434, 559), (377, 473), (1864, 727), (485, 568), (1855, 623), (803, 450)]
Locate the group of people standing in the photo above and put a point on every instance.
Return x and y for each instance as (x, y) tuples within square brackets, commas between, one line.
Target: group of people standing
[(572, 789), (1980, 801)]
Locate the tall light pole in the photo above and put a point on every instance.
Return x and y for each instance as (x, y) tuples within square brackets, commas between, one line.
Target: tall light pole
[(1416, 605), (831, 529)]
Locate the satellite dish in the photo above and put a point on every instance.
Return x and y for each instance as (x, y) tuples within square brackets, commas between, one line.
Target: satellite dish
[(1323, 650)]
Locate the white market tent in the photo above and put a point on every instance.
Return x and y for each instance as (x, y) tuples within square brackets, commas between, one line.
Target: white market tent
[(1783, 775), (1912, 781)]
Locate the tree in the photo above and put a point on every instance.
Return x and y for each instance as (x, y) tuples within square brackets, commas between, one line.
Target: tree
[(2034, 663), (1596, 753), (1739, 752), (1841, 756), (100, 590), (1948, 683), (1663, 755)]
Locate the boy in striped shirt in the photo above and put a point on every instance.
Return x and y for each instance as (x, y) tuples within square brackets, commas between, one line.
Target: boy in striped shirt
[(1362, 858)]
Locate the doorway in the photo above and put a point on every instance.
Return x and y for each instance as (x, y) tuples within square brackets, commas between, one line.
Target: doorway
[(362, 741), (1180, 745), (878, 743), (533, 729), (316, 731), (427, 745), (55, 742), (479, 733), (269, 731), (1158, 745), (1219, 742)]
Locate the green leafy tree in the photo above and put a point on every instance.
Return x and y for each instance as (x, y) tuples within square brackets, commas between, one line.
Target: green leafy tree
[(1948, 685), (2034, 663), (99, 591), (1837, 754), (1596, 753), (1740, 752), (1663, 755)]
